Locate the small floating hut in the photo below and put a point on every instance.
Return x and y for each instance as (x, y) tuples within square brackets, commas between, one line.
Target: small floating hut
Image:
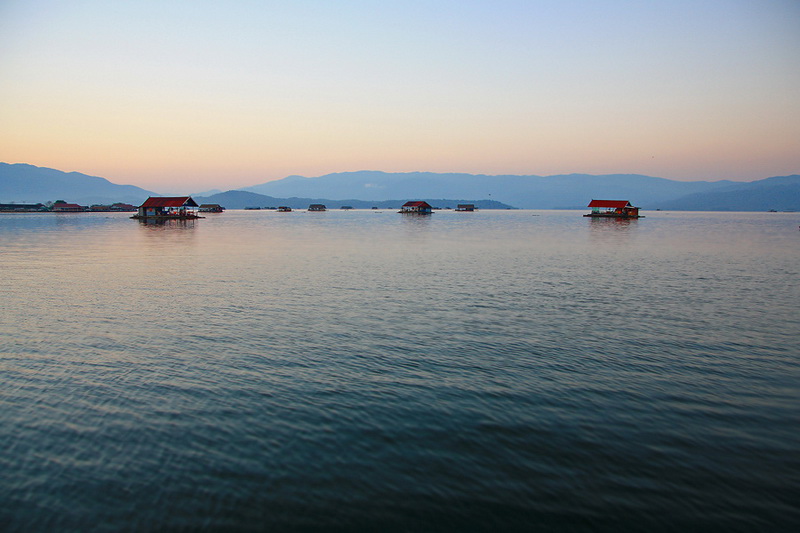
[(465, 207), (317, 207), (168, 208), (416, 208), (211, 208), (613, 209)]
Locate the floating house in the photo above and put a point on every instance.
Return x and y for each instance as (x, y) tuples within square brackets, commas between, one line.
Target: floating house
[(63, 207), (465, 207), (613, 209), (284, 209), (211, 208), (168, 207), (317, 207), (416, 208)]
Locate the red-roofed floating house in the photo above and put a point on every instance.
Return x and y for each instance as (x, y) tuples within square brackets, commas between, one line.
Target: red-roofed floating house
[(168, 208), (416, 208), (64, 207), (613, 209)]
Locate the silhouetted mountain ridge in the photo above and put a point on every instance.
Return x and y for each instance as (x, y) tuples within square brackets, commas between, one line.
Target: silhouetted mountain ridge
[(534, 192), (780, 193), (239, 199), (564, 191), (22, 183)]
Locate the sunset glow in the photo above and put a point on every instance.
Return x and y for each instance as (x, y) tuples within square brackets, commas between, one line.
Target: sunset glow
[(190, 96)]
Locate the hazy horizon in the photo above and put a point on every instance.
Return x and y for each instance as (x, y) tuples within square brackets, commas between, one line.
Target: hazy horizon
[(168, 189), (169, 96)]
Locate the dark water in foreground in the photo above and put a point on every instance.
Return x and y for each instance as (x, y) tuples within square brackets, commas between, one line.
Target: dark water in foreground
[(525, 370)]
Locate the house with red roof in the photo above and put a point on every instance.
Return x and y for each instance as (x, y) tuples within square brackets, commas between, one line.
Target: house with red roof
[(168, 207), (64, 207), (613, 209), (416, 208)]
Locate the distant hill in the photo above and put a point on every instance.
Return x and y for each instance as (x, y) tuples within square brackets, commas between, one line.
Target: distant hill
[(529, 192), (780, 193), (20, 183), (242, 199)]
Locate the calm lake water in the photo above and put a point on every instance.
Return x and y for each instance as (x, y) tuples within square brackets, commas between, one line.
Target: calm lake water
[(363, 370)]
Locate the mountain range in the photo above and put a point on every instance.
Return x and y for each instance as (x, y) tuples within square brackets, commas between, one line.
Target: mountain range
[(244, 199), (23, 183), (569, 191)]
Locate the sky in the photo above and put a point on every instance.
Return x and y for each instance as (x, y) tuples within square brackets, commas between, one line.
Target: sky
[(194, 95)]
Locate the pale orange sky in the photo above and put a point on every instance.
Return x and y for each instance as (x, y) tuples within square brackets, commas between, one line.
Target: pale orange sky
[(172, 96)]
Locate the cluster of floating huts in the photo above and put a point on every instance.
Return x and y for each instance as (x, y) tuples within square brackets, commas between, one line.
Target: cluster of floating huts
[(65, 207), (184, 207)]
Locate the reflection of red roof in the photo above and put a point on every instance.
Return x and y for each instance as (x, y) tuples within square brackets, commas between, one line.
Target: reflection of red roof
[(617, 204), (416, 204), (169, 201)]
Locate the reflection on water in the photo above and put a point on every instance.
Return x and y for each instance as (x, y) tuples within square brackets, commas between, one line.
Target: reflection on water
[(167, 223), (608, 230), (369, 370)]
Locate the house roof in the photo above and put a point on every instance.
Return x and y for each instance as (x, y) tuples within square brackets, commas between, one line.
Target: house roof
[(67, 206), (617, 204), (416, 204), (169, 201)]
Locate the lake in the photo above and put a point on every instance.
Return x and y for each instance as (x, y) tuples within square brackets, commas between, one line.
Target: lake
[(365, 370)]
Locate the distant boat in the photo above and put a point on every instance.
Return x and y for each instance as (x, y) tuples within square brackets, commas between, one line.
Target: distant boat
[(284, 209), (252, 209)]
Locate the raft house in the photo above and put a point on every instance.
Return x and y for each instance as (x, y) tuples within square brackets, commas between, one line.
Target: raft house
[(416, 208), (64, 207), (465, 207), (211, 208), (168, 208), (613, 209), (317, 207)]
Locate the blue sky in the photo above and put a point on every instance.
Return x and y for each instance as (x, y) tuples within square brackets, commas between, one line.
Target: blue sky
[(228, 94)]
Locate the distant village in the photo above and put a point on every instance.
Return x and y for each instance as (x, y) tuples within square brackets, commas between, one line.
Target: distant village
[(184, 206), (60, 206)]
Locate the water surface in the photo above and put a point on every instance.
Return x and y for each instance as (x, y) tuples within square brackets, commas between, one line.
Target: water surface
[(496, 370)]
